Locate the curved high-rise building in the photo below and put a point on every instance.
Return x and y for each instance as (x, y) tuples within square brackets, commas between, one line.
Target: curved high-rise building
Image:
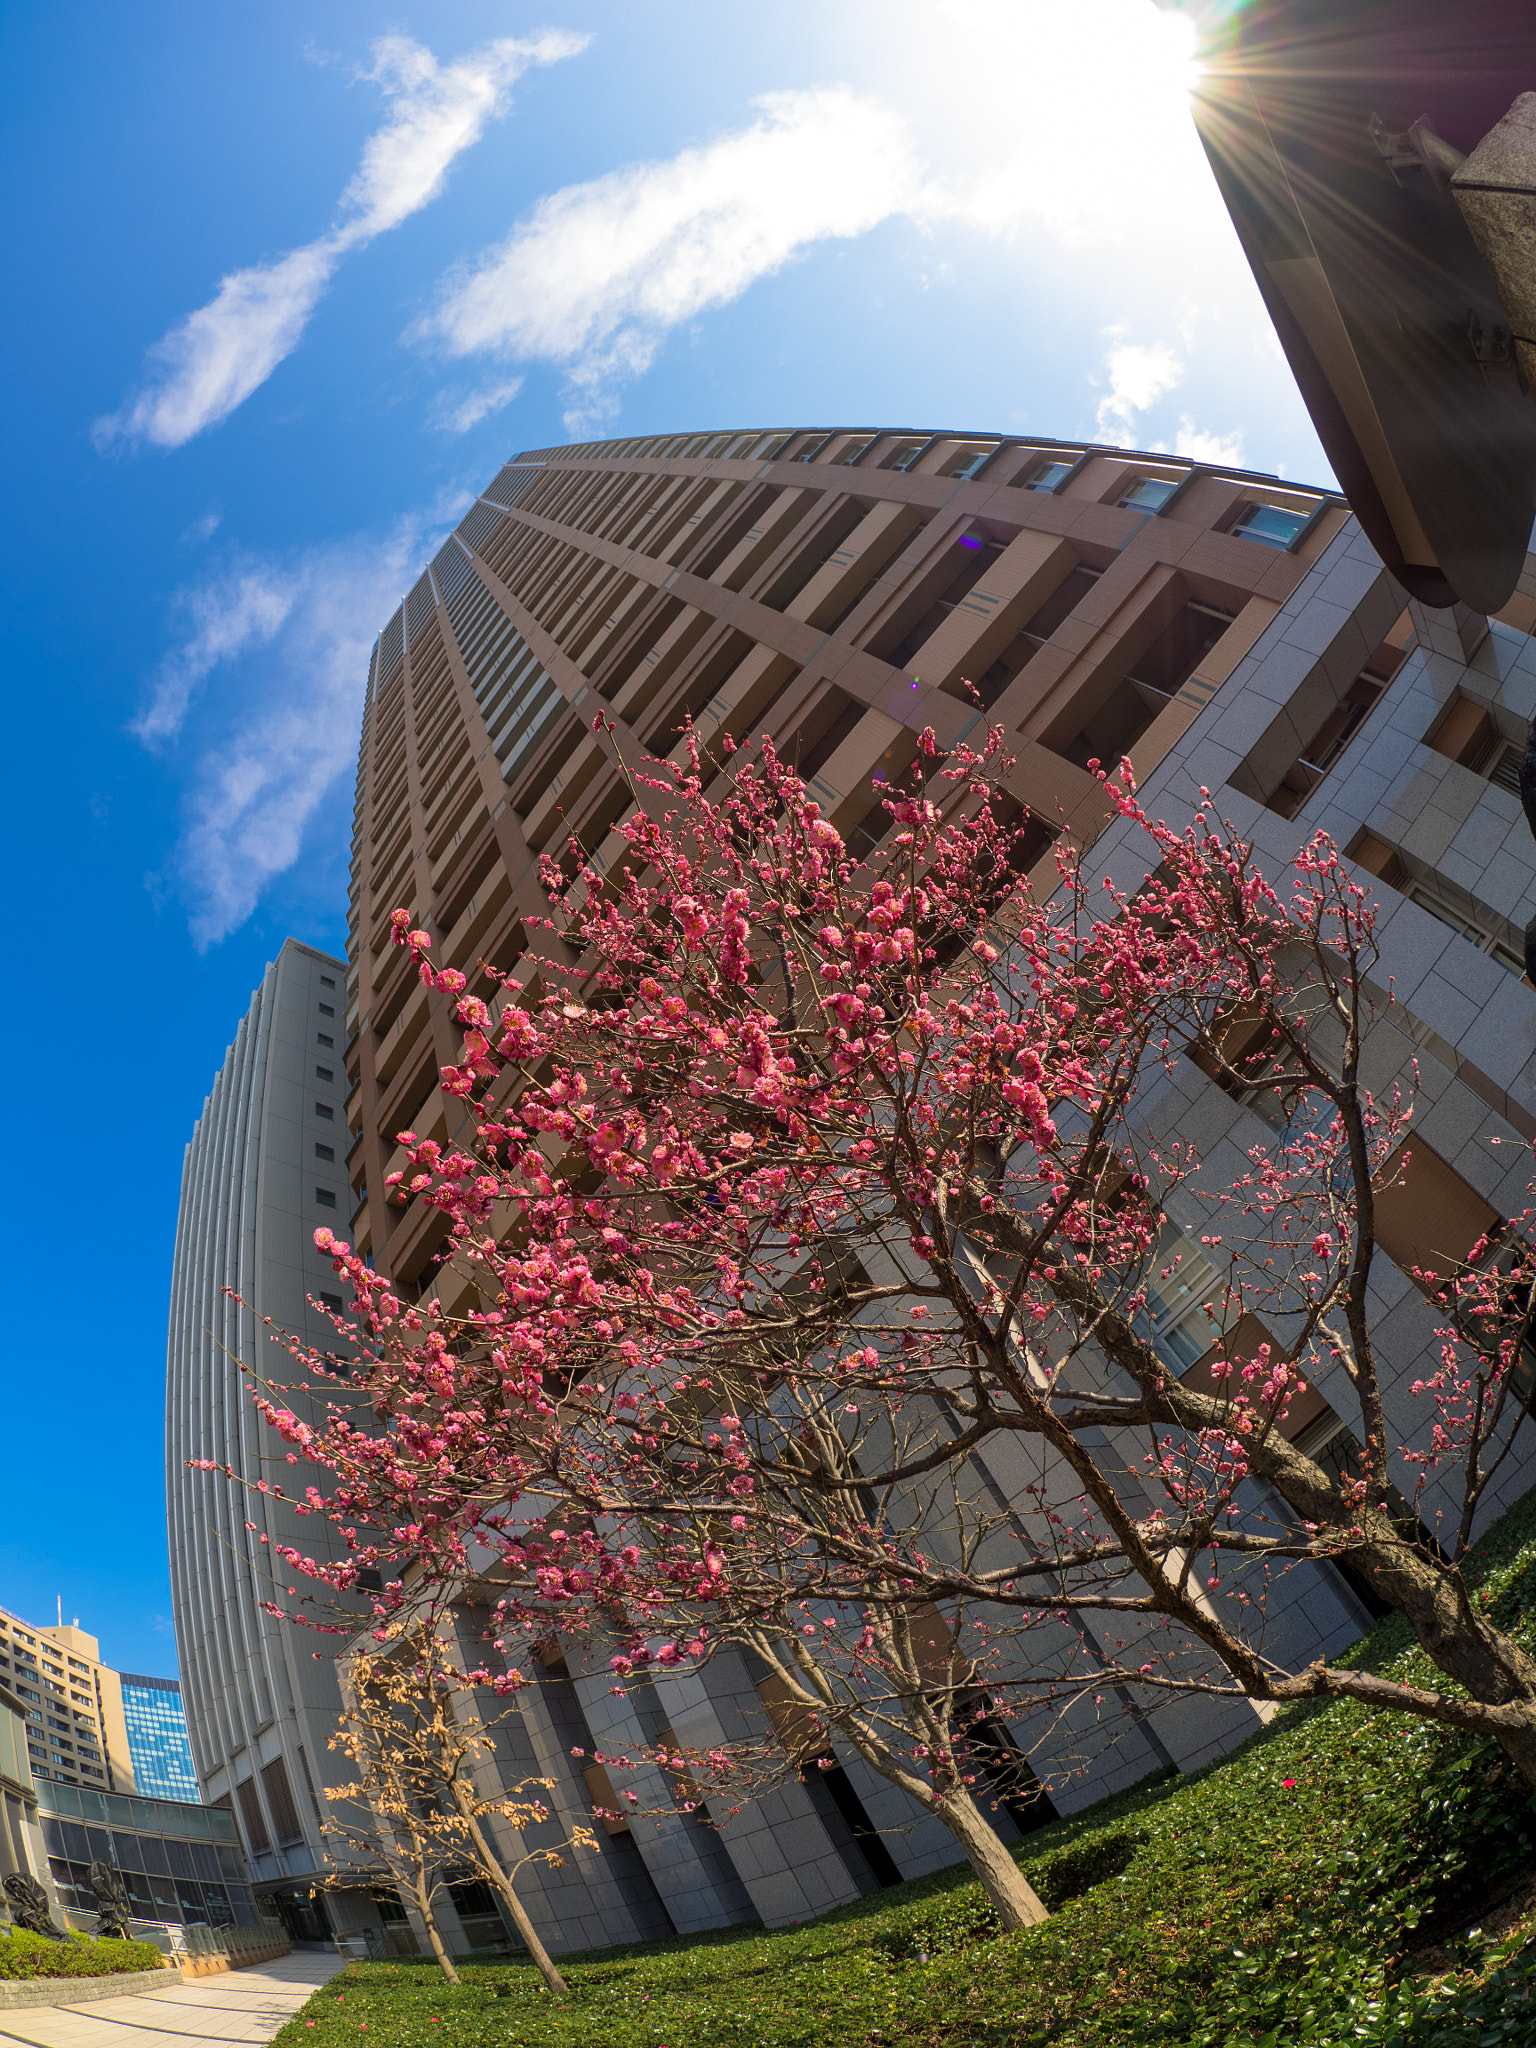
[(266, 1164), (842, 591)]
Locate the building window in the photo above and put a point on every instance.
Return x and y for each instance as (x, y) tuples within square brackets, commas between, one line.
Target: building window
[(327, 981), (327, 1009), (1325, 747), (1147, 494), (324, 1151), (1268, 525), (324, 1074), (1485, 942), (324, 1109), (324, 1038), (1503, 766), (965, 462), (331, 1301), (1045, 476), (1179, 1283), (1468, 735), (325, 1197)]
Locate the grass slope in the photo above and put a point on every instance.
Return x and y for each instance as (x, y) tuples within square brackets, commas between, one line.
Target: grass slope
[(1312, 1889)]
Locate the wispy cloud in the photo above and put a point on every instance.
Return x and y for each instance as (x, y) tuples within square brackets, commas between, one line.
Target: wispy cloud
[(598, 273), (1203, 446), (1139, 375), (291, 638), (202, 529), (214, 359), (457, 416), (244, 609)]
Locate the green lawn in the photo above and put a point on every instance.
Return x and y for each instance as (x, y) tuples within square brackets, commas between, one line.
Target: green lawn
[(1228, 1908)]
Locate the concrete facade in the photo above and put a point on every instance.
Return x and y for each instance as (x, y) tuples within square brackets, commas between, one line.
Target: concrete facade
[(264, 1166), (73, 1703)]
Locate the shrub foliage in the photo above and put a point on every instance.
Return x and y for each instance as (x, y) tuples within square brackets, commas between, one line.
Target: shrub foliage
[(30, 1955)]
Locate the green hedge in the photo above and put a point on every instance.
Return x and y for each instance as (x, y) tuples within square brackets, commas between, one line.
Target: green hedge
[(31, 1955), (1274, 1901)]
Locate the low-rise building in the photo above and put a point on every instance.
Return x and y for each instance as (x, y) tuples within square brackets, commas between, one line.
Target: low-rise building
[(75, 1731)]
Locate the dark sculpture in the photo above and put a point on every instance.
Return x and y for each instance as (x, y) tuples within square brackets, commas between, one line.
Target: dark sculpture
[(29, 1905), (112, 1905)]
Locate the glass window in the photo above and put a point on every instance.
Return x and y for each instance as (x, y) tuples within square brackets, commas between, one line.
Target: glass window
[(1485, 942), (965, 462), (154, 1855), (324, 1109), (1269, 525), (1148, 493), (1179, 1282)]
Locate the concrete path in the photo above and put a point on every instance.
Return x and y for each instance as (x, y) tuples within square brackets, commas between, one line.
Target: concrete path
[(245, 2007)]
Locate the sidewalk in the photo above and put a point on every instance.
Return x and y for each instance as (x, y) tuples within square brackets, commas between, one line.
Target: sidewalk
[(241, 2006)]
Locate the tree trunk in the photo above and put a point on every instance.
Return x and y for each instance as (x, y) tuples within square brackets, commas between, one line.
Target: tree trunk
[(491, 1864), (444, 1960), (1015, 1898), (1492, 1666)]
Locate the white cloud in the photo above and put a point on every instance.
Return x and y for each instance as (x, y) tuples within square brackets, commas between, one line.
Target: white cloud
[(1139, 376), (287, 714), (215, 358), (457, 417), (203, 529), (598, 273), (244, 609), (1223, 450)]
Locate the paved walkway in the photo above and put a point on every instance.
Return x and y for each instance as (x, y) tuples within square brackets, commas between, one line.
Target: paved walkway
[(241, 2006)]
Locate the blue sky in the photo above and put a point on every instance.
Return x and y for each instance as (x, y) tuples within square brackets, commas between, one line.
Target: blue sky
[(285, 284)]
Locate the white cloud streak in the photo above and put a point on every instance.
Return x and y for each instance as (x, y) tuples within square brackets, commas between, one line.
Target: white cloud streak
[(1138, 377), (243, 610), (292, 639), (457, 417), (214, 359), (598, 273), (1200, 445)]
